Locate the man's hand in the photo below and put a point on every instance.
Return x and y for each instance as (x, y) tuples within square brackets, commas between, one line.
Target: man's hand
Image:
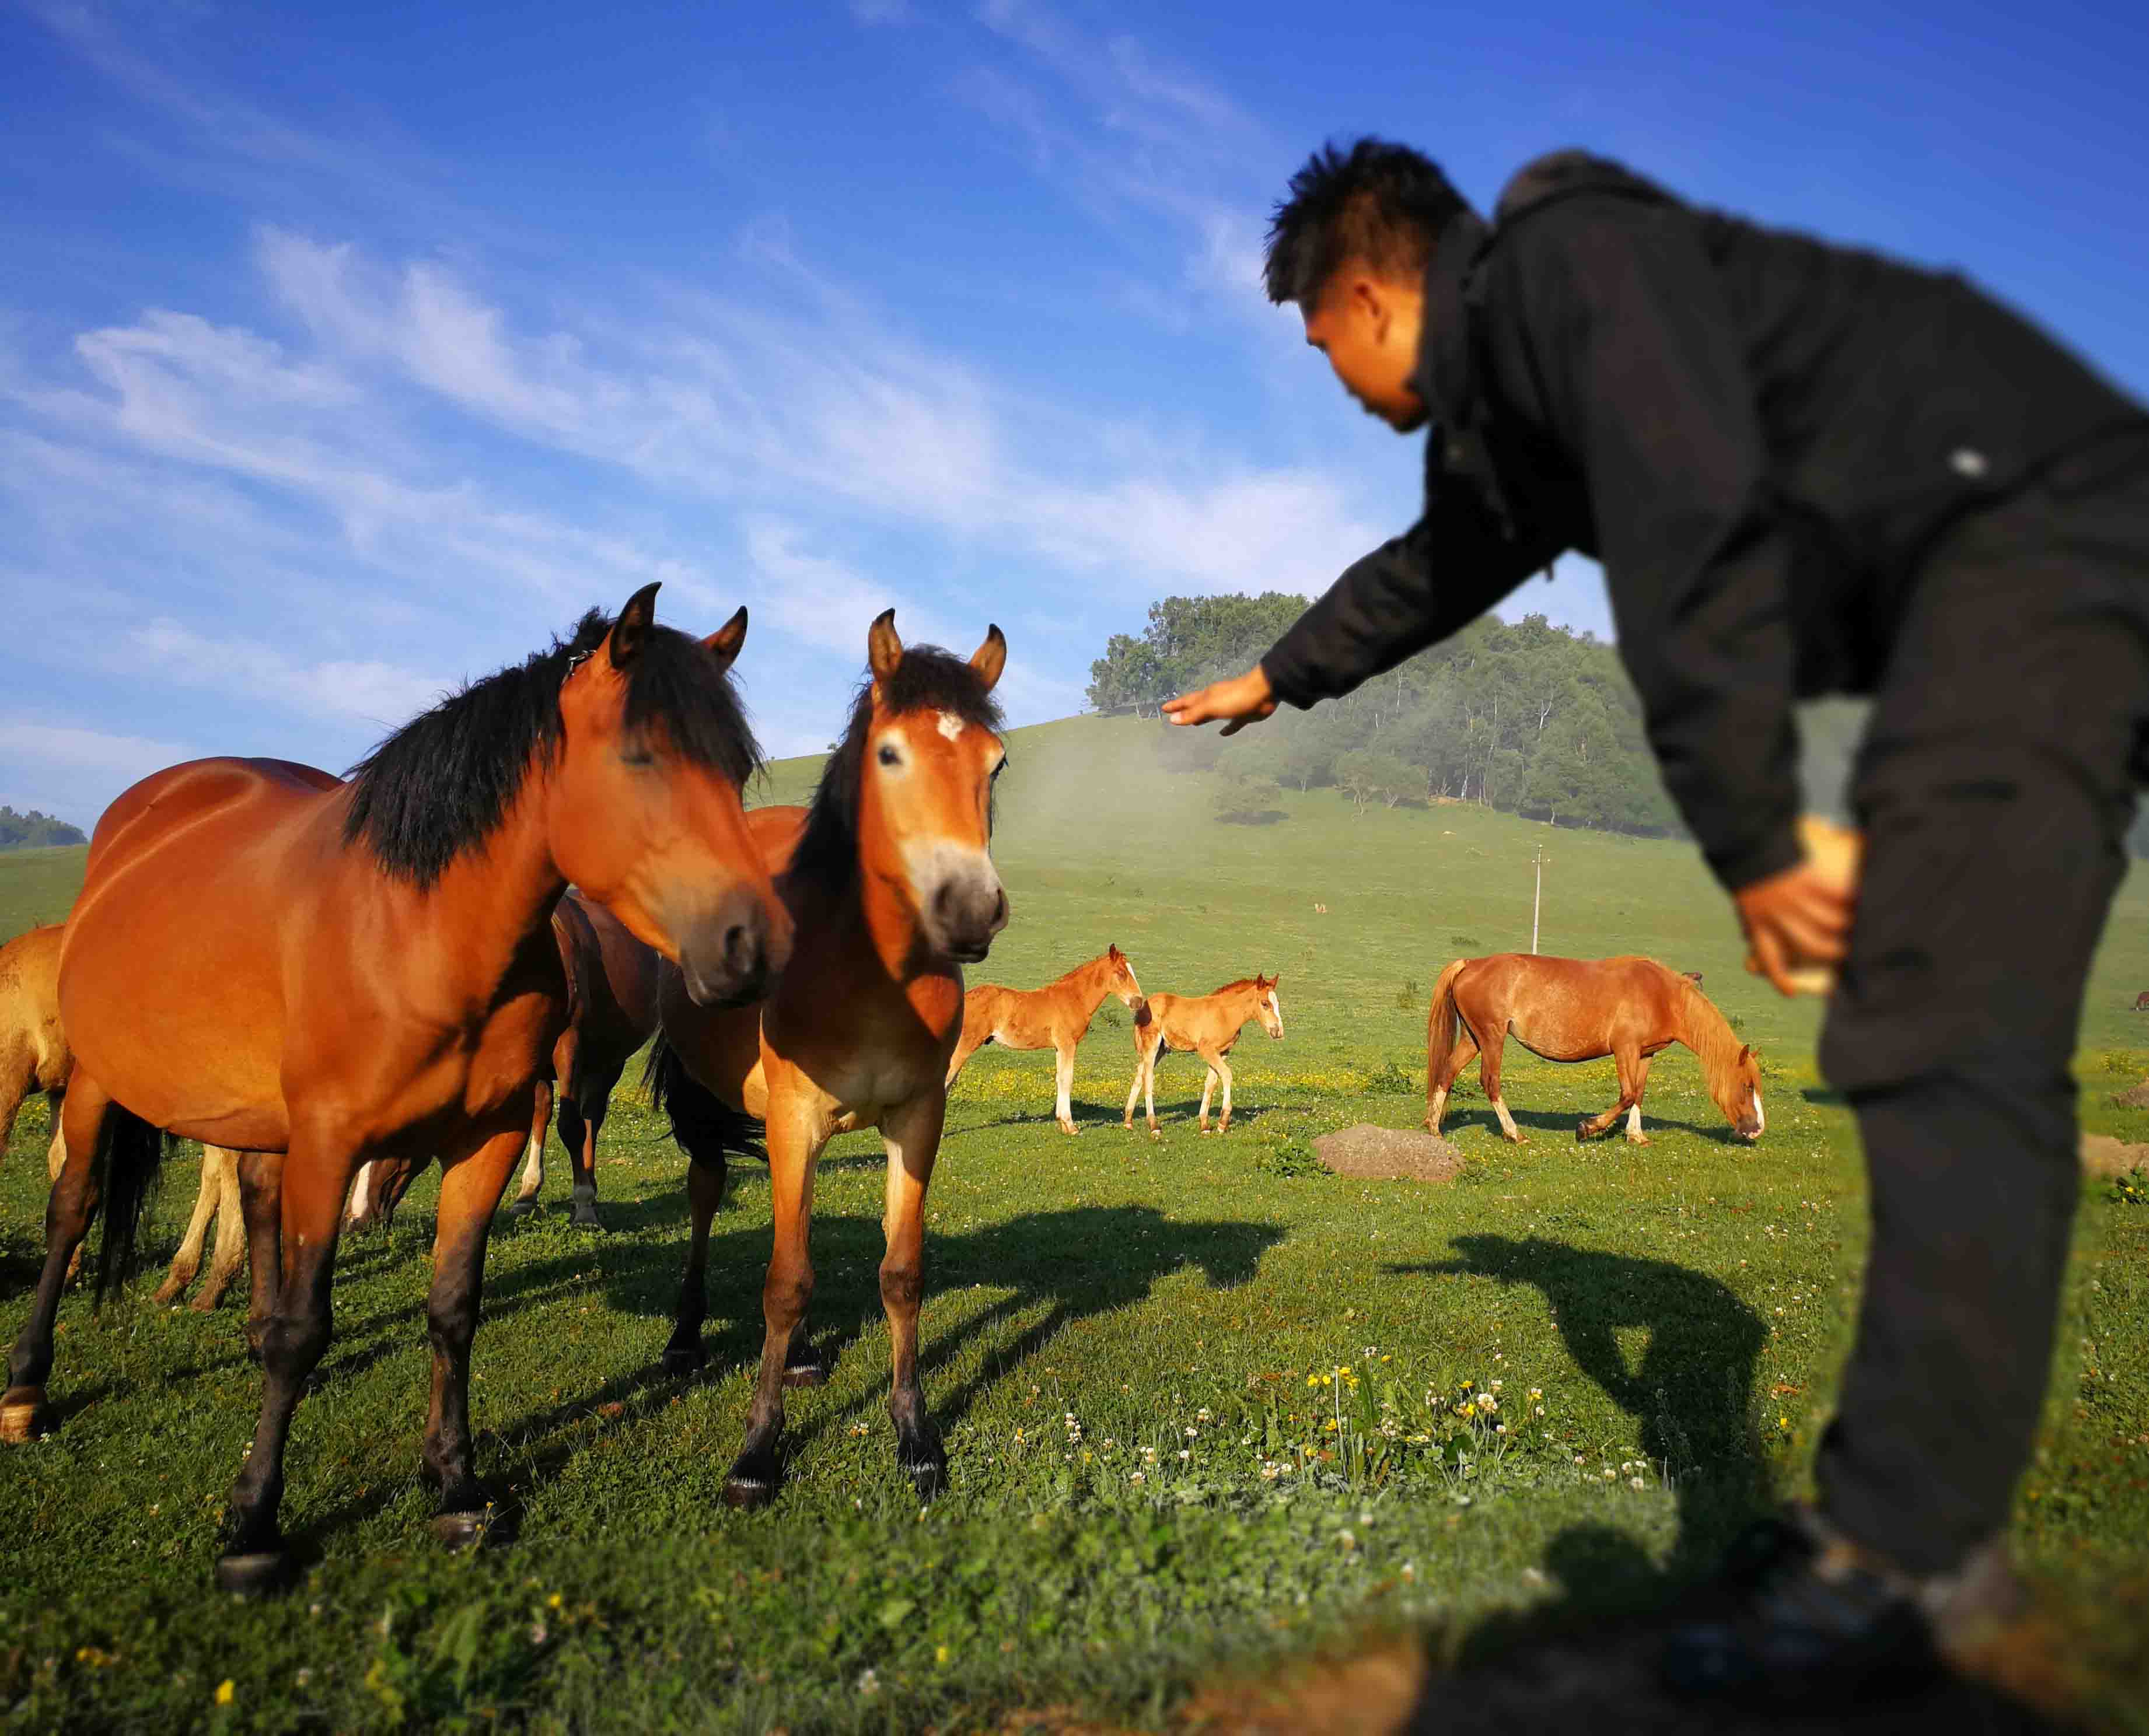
[(1241, 700), (1796, 920)]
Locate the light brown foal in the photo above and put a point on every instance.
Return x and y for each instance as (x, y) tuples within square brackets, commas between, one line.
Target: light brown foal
[(1056, 1016), (33, 1050), (1204, 1024), (892, 889)]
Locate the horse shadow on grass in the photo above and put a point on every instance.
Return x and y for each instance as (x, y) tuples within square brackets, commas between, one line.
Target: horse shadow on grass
[(1551, 1125), (1585, 1659), (1073, 1264)]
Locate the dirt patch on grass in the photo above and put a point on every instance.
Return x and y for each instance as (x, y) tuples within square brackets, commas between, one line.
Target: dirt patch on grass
[(1367, 1153), (2109, 1159)]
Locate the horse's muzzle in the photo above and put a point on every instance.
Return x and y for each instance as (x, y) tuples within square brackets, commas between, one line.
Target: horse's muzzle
[(733, 956), (962, 918)]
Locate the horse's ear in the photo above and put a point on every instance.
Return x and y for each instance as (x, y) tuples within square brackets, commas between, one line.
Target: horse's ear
[(884, 647), (726, 643), (991, 658), (632, 631), (1745, 1052)]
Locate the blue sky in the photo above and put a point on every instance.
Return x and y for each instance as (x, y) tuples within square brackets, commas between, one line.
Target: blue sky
[(345, 355)]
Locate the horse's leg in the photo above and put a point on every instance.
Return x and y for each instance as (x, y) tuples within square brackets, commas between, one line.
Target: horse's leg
[(314, 1182), (1633, 1070), (261, 1201), (1134, 1091), (470, 1187), (705, 1194), (794, 1144), (56, 1152), (966, 1045), (1441, 1079), (912, 1136), (230, 1230), (1208, 1089), (67, 1211), (186, 1261), (1488, 1075), (1149, 1083), (533, 1167), (1064, 1101), (1635, 1136), (1224, 1072), (578, 1133)]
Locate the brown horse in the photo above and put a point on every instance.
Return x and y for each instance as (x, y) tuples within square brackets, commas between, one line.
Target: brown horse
[(33, 1049), (1204, 1024), (315, 973), (611, 1001), (890, 883), (1574, 1008), (612, 1011), (1056, 1016)]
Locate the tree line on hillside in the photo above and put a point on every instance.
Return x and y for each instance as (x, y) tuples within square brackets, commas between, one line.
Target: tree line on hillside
[(20, 831), (1529, 718)]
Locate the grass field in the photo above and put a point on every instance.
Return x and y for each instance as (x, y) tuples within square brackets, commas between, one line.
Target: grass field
[(1204, 1407)]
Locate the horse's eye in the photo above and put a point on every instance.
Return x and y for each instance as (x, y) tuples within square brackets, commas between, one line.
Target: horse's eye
[(888, 756)]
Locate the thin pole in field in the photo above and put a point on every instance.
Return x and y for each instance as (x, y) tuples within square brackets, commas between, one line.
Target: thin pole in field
[(1536, 903)]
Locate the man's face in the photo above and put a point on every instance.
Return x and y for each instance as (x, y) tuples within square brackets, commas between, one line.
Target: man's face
[(1368, 327)]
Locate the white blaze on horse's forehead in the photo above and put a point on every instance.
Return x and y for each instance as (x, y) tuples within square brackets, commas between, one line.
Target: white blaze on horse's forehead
[(951, 725)]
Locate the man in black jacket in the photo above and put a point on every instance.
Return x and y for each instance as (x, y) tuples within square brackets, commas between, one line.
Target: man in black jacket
[(1806, 470)]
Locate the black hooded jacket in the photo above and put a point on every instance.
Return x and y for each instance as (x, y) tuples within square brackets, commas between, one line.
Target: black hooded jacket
[(1757, 433)]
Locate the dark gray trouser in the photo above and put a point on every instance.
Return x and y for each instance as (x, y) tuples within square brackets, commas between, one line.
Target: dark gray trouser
[(1995, 787)]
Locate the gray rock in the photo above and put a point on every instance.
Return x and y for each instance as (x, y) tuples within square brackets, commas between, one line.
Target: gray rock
[(1388, 1154)]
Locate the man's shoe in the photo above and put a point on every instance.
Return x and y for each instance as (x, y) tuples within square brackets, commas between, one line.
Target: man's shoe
[(1814, 1618)]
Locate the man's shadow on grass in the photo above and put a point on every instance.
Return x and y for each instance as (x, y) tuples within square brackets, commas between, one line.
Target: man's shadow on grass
[(1586, 1659)]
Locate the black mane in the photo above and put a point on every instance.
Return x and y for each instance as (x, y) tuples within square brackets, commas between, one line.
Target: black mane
[(927, 679), (440, 784)]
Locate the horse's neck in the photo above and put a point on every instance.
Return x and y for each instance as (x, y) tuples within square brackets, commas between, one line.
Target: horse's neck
[(496, 901), (1091, 983), (1708, 1034)]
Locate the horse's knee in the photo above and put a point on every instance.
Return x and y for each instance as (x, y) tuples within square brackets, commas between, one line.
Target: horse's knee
[(901, 1287)]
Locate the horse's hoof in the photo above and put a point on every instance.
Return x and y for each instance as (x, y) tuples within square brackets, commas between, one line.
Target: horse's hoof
[(929, 1476), (523, 1208), (1581, 1129), (259, 1574), (680, 1359), (585, 1218), (815, 1373), (748, 1492), (23, 1414), (462, 1530), (166, 1294)]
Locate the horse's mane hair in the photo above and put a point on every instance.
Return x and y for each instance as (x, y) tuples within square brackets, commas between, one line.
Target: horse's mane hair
[(441, 783), (1709, 1034), (927, 679), (1242, 982), (1087, 964)]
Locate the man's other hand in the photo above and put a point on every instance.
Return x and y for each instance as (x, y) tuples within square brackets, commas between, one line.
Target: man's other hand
[(1796, 921), (1240, 700)]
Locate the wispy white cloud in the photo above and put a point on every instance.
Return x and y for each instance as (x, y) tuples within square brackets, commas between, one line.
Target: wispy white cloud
[(375, 692)]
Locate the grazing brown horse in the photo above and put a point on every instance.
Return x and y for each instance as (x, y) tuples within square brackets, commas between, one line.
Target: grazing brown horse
[(891, 883), (1056, 1016), (315, 973), (1204, 1024), (33, 1049), (2141, 1002), (1575, 1009), (612, 1011)]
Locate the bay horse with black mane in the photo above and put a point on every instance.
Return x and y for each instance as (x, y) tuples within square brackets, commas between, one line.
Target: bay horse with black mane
[(1204, 1024), (1056, 1016), (1574, 1008), (315, 973), (890, 879)]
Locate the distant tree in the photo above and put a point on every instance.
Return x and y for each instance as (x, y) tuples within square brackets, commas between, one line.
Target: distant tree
[(25, 831), (1188, 641), (1241, 795)]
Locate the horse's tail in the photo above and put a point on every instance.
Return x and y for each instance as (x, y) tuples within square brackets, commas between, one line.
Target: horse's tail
[(704, 1126), (127, 1163), (1440, 1024)]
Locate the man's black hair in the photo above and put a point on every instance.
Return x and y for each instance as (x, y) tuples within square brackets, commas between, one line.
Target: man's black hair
[(1384, 204)]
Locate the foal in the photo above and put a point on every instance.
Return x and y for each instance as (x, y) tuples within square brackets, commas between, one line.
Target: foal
[(1056, 1016), (892, 890), (1205, 1025), (33, 1050)]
